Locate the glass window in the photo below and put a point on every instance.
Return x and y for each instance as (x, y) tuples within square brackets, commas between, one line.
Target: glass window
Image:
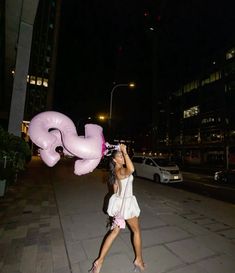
[(211, 78), (137, 159), (229, 68), (178, 93), (149, 162), (231, 86), (32, 80), (205, 81), (45, 82), (215, 76), (163, 162), (39, 81), (193, 111), (190, 86), (230, 53)]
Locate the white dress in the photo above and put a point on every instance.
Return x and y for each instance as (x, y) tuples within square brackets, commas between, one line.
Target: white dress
[(130, 206)]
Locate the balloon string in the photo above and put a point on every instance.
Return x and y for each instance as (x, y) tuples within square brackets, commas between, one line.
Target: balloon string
[(63, 145), (110, 148)]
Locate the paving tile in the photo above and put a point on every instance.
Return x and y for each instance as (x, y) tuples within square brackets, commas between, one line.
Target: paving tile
[(220, 264), (21, 231), (193, 216), (76, 268), (193, 268), (150, 220), (190, 250), (92, 246), (76, 252), (1, 231), (217, 243), (216, 226), (83, 225), (230, 233), (185, 224), (28, 260), (10, 268), (44, 265), (204, 221), (117, 263), (13, 252), (64, 269), (159, 259), (163, 235), (55, 222), (59, 256)]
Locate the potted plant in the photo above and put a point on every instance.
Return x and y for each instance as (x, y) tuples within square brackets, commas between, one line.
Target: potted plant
[(6, 177), (14, 153)]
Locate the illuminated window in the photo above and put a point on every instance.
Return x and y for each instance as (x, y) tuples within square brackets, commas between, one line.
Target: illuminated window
[(45, 82), (215, 76), (39, 81), (178, 93), (230, 54), (193, 111), (191, 86), (210, 120), (212, 78), (32, 80)]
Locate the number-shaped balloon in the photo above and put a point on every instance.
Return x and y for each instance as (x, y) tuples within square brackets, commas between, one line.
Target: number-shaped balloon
[(51, 129)]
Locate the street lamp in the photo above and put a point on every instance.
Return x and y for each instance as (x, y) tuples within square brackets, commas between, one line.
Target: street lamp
[(130, 85)]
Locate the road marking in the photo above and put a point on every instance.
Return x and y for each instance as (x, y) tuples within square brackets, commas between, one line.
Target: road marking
[(218, 187), (212, 186)]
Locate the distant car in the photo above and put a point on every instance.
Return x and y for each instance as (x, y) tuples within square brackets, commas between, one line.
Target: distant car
[(160, 170), (225, 176)]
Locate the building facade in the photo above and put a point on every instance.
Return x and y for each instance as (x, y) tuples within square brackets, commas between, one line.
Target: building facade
[(2, 55), (28, 49), (196, 123), (41, 76)]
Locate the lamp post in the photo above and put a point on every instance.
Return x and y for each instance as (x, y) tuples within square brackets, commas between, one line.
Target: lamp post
[(130, 85)]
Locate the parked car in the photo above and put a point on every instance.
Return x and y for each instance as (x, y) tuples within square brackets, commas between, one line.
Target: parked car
[(225, 176), (157, 169)]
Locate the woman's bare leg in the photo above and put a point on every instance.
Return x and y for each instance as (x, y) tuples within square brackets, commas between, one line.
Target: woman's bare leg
[(105, 247), (137, 241)]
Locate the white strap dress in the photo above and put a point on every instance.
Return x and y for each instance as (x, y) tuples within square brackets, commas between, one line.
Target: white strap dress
[(130, 206)]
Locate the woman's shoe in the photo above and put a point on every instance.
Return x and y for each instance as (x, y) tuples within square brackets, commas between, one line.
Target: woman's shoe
[(95, 268), (139, 268)]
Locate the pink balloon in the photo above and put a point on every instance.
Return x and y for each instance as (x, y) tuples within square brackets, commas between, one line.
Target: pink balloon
[(51, 129), (83, 166), (50, 156)]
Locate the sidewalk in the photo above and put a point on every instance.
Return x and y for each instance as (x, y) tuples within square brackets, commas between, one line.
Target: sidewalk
[(52, 221)]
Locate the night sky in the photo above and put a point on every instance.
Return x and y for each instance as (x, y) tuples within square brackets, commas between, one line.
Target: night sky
[(106, 42)]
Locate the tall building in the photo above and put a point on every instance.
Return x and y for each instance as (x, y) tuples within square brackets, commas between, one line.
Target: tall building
[(29, 49), (196, 121), (42, 66), (2, 57)]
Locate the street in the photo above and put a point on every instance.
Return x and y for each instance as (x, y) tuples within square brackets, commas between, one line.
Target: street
[(205, 185)]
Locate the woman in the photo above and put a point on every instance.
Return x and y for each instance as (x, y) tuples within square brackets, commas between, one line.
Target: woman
[(121, 178)]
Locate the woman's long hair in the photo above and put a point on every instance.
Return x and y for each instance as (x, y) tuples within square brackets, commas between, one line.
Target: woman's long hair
[(112, 174)]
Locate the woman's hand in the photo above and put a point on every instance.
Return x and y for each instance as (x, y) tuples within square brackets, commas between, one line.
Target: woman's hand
[(123, 148)]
